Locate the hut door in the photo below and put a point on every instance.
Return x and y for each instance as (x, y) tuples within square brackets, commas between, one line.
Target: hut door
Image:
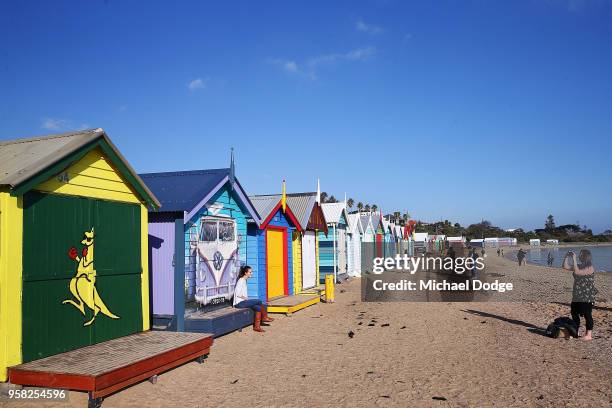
[(81, 272), (357, 254), (276, 247), (379, 245), (309, 272), (341, 251)]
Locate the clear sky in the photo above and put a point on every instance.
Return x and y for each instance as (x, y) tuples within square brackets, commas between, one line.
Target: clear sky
[(456, 110)]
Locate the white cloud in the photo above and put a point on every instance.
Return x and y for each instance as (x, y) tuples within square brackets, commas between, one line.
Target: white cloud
[(308, 69), (287, 65), (359, 54), (197, 83), (54, 124), (368, 28), (291, 66), (62, 124)]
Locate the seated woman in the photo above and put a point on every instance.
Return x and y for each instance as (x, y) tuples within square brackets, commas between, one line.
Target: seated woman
[(242, 301), (584, 291)]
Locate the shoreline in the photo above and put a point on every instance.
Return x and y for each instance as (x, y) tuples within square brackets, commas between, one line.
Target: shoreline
[(512, 252)]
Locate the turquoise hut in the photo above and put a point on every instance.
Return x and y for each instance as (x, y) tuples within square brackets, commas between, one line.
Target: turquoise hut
[(333, 247)]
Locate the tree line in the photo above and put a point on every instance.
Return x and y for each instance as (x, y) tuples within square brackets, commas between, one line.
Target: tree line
[(484, 229)]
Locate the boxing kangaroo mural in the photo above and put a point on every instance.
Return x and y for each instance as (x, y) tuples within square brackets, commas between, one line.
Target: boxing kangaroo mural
[(83, 285)]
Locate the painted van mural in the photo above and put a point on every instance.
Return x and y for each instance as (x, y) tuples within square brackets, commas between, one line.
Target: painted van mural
[(214, 249)]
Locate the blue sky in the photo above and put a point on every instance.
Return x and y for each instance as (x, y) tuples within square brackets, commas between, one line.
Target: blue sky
[(450, 110)]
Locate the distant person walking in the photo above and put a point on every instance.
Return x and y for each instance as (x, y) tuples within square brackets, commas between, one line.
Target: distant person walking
[(451, 253), (498, 252), (474, 258), (520, 256), (584, 291), (550, 259)]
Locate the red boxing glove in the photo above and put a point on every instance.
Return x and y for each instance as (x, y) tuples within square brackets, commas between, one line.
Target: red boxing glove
[(72, 253), (84, 252)]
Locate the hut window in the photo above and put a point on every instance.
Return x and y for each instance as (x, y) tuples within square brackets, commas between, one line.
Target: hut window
[(226, 231), (209, 231)]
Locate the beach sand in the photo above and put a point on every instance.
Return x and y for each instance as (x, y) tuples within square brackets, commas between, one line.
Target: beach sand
[(402, 354)]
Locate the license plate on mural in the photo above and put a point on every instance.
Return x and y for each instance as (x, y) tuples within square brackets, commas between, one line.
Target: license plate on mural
[(217, 301)]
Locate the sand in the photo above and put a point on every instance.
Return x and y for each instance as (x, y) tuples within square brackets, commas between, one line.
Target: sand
[(402, 354)]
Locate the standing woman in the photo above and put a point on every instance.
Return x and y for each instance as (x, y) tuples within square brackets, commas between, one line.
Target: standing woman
[(242, 301), (584, 291)]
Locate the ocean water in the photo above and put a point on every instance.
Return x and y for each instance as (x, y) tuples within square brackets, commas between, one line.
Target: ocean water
[(602, 256)]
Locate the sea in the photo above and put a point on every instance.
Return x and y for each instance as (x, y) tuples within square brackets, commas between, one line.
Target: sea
[(602, 256)]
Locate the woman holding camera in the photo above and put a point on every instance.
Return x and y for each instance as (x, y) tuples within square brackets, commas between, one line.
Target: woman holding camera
[(583, 292)]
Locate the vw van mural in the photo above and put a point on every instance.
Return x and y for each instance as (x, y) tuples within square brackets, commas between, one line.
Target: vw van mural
[(217, 262)]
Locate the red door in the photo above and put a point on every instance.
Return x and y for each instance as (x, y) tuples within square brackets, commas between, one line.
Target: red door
[(379, 247)]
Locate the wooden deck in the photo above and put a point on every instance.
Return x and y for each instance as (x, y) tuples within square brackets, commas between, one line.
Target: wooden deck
[(105, 368), (290, 304), (317, 290), (220, 321)]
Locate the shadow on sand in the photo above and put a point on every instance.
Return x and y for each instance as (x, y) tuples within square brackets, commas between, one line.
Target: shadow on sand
[(595, 307), (530, 327)]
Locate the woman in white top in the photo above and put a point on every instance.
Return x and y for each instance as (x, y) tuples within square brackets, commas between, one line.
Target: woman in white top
[(242, 301)]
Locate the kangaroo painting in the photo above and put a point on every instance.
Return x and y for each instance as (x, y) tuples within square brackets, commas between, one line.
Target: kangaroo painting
[(83, 285)]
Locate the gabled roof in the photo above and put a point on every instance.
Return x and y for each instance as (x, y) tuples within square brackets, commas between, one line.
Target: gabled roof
[(375, 217), (386, 226), (302, 204), (354, 222), (267, 205), (189, 191), (399, 231), (333, 212), (25, 163), (365, 220)]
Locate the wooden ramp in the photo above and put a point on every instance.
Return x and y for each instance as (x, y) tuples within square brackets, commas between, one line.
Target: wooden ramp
[(104, 368), (290, 304)]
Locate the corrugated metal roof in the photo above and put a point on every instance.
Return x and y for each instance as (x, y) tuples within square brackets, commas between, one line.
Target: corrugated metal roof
[(354, 221), (301, 205), (22, 159), (375, 219), (365, 220), (333, 211), (183, 190), (385, 225), (264, 204)]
